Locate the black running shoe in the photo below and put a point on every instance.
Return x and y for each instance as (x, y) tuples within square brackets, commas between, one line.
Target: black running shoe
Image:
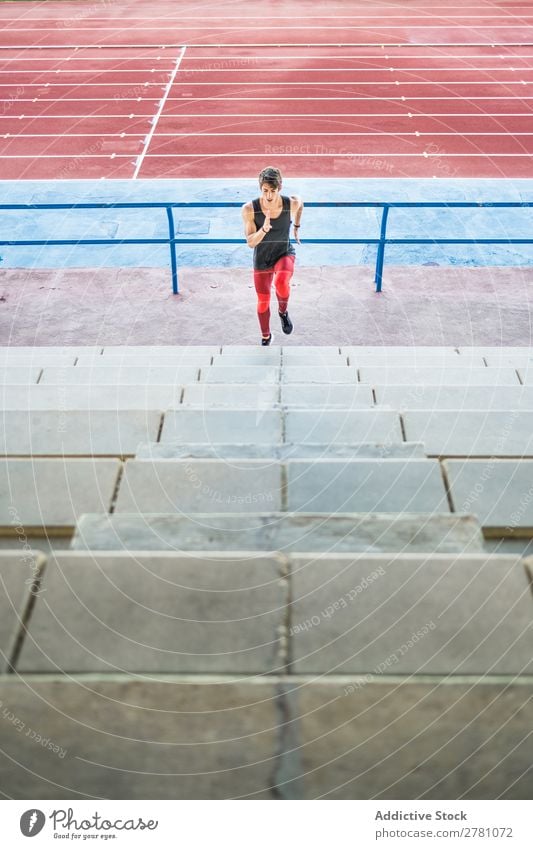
[(266, 342), (286, 323)]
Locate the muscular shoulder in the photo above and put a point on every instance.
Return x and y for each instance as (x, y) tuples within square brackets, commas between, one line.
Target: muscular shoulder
[(248, 209)]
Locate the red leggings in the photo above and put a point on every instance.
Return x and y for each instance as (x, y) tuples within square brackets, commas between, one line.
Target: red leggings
[(281, 274)]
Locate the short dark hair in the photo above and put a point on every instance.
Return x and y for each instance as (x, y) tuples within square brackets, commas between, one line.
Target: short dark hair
[(271, 176)]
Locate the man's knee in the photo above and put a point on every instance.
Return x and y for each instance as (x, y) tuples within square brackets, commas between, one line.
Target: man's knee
[(263, 303)]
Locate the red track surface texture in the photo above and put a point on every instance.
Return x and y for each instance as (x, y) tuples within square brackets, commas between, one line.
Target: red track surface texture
[(91, 90)]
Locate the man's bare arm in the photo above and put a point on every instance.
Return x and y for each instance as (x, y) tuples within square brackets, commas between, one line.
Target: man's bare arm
[(297, 208), (253, 235)]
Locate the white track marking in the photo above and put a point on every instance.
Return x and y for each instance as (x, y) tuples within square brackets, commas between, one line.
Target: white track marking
[(399, 98), (283, 134), (408, 99), (271, 84), (169, 20), (389, 69), (332, 115), (492, 45), (253, 27), (222, 58), (191, 135), (162, 102), (422, 154), (350, 155)]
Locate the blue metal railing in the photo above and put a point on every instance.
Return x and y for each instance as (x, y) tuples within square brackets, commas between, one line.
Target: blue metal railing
[(172, 241)]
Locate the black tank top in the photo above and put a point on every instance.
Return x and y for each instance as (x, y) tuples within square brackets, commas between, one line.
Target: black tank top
[(276, 242)]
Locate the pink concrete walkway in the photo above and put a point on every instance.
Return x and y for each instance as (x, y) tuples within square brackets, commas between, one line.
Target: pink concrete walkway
[(420, 305)]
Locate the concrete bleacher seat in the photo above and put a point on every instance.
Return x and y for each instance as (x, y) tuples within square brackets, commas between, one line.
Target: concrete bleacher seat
[(342, 532), (19, 572), (279, 572), (51, 493), (89, 433)]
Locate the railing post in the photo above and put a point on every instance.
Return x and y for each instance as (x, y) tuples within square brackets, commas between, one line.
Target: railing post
[(173, 260), (381, 248)]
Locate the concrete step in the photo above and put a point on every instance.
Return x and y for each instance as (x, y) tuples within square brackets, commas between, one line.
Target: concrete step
[(91, 432), (224, 613), (60, 398), (19, 570), (446, 375), (206, 737), (269, 426), (411, 614), (467, 433), (277, 451), (468, 397), (325, 486), (158, 612), (499, 492), (119, 374), (52, 493), (349, 532), (26, 375)]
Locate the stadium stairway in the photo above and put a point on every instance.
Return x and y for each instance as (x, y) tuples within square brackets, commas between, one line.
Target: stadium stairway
[(266, 573)]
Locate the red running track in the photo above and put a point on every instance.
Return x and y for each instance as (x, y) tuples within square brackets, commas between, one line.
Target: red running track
[(336, 95)]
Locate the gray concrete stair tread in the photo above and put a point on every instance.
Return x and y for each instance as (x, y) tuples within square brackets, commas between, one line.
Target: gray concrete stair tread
[(18, 571), (499, 492), (174, 359), (157, 612), (467, 397), (323, 485), (234, 395), (349, 396), (389, 485), (211, 426), (471, 432), (198, 486), (348, 532), (240, 374), (119, 374), (70, 432), (446, 375), (411, 614), (342, 426), (52, 493), (277, 451), (319, 373), (185, 737), (351, 737), (92, 397), (24, 375)]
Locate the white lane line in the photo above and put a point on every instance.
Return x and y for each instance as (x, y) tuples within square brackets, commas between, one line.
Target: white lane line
[(221, 58), (424, 154), (69, 156), (332, 115), (308, 115), (112, 136), (162, 102), (273, 84), (399, 98), (254, 70), (98, 85), (428, 25), (114, 157), (185, 99), (168, 20), (494, 45), (283, 134)]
